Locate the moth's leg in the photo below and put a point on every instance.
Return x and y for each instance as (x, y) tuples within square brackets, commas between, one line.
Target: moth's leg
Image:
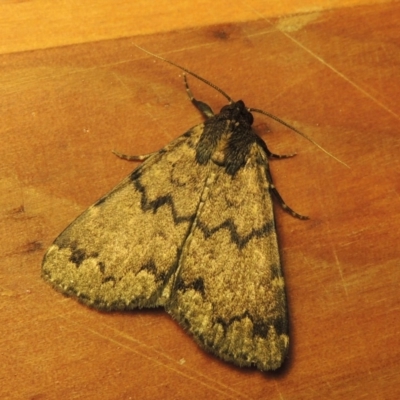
[(272, 187), (278, 197), (204, 108), (140, 157), (269, 153), (278, 156)]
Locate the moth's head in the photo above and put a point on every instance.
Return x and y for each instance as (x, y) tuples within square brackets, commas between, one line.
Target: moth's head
[(237, 111)]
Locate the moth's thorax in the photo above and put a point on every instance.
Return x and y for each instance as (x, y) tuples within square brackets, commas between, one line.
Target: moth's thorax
[(227, 138), (219, 154)]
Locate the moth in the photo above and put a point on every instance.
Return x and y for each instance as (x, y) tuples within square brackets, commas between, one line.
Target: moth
[(191, 230)]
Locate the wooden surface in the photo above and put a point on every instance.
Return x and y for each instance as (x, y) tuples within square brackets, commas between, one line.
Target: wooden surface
[(69, 96)]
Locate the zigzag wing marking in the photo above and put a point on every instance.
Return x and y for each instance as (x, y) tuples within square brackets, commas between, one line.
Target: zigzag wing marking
[(229, 292), (122, 251)]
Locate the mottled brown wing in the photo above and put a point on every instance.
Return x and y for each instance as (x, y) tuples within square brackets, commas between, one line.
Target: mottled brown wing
[(121, 252), (229, 291)]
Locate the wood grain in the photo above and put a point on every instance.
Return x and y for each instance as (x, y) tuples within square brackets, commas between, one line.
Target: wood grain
[(70, 96), (38, 24)]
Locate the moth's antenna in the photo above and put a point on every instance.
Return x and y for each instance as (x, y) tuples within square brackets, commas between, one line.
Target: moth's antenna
[(297, 131), (231, 101), (189, 72)]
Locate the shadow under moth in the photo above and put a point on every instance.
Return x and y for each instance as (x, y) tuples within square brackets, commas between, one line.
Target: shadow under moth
[(192, 230)]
